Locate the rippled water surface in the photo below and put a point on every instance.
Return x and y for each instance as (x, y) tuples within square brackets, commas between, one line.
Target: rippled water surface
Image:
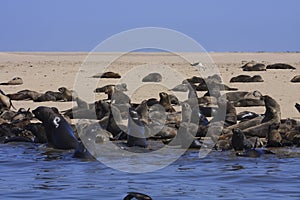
[(33, 172)]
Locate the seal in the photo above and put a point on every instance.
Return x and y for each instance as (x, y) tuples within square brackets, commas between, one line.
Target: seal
[(225, 107), (208, 85), (253, 66), (136, 130), (296, 79), (5, 101), (39, 131), (271, 115), (122, 87), (14, 81), (185, 138), (274, 138), (152, 77), (180, 88), (137, 195), (239, 141), (246, 115), (117, 97), (280, 66), (297, 106), (250, 99), (48, 96), (166, 102), (59, 132), (82, 152), (26, 94), (107, 75), (246, 79), (143, 111), (67, 95)]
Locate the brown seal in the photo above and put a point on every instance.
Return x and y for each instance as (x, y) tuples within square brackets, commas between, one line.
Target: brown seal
[(143, 110), (273, 137), (67, 95), (5, 101), (250, 99), (166, 102), (226, 112), (271, 115)]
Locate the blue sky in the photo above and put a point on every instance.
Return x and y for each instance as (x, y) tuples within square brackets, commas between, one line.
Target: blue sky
[(218, 25)]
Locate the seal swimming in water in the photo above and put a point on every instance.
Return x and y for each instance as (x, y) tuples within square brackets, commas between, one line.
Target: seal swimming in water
[(136, 130), (59, 132), (137, 195), (14, 81), (152, 77)]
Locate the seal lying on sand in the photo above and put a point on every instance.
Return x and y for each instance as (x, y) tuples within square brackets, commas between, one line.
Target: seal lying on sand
[(14, 81), (59, 132), (246, 79), (253, 66), (107, 75), (296, 79), (152, 77), (280, 66)]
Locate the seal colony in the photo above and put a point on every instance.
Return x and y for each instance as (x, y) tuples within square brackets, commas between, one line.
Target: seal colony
[(161, 119)]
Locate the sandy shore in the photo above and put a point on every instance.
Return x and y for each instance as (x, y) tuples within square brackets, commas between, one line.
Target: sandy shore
[(49, 71)]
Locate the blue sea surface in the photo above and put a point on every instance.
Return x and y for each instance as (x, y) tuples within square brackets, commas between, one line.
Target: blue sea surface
[(29, 171)]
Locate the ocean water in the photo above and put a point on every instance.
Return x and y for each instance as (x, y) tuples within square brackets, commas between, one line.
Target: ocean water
[(29, 171)]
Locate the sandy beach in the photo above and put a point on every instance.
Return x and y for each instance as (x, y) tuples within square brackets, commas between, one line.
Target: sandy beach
[(43, 71)]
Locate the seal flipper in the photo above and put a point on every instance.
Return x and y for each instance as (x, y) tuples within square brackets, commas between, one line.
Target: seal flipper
[(136, 130), (82, 152)]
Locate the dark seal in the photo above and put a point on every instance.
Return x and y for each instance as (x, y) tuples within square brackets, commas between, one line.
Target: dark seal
[(59, 132)]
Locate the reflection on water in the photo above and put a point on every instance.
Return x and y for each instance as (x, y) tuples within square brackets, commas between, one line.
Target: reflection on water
[(34, 172)]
